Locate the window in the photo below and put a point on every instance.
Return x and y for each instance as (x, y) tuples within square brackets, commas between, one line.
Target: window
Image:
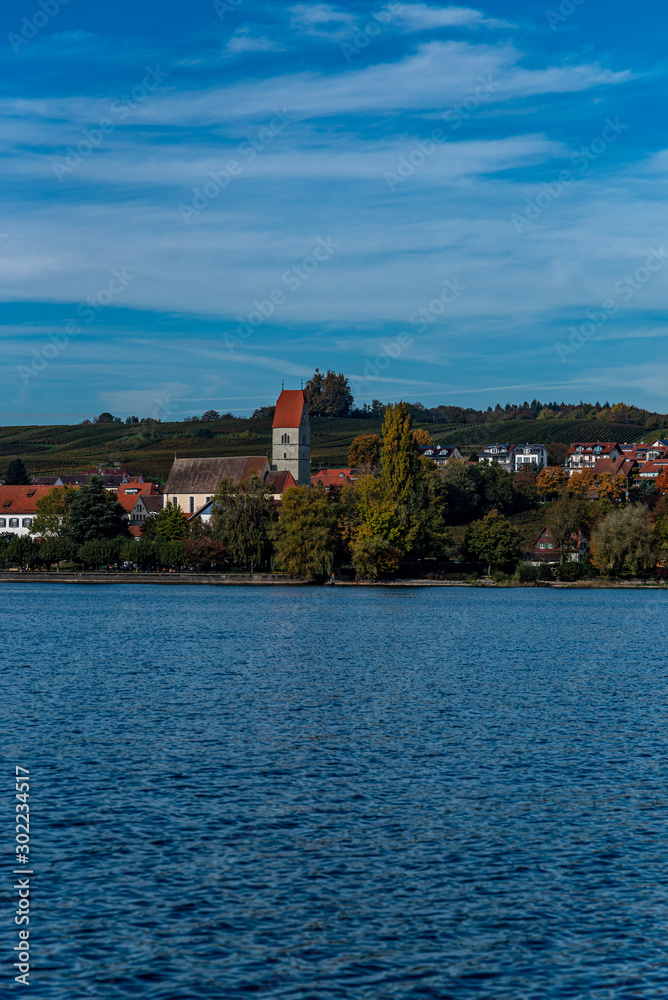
[(208, 499), (285, 454), (3, 522), (191, 505), (27, 522), (285, 439), (13, 522), (550, 545), (543, 545), (175, 501)]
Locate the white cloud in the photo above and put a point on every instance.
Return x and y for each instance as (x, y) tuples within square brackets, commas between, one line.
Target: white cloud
[(322, 20), (244, 41), (423, 17)]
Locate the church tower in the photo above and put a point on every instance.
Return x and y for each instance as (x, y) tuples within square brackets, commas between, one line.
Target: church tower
[(291, 436)]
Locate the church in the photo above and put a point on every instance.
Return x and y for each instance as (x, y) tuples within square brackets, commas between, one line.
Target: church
[(193, 481)]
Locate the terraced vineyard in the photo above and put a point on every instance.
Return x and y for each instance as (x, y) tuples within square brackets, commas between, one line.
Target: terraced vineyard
[(149, 447)]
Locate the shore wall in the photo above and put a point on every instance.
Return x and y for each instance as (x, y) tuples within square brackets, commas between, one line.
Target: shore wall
[(271, 580)]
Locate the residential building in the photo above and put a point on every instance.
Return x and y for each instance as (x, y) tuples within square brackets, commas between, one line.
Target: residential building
[(650, 470), (584, 454), (332, 480), (291, 436), (277, 483), (622, 466), (529, 454), (18, 507), (545, 548), (139, 500), (500, 453), (441, 453)]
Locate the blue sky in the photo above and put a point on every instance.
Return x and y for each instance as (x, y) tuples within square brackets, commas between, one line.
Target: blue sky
[(450, 204)]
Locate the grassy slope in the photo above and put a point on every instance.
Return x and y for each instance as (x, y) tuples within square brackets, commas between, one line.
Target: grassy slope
[(150, 449)]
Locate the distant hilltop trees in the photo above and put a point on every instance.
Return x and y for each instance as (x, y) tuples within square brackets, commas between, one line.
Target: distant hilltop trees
[(329, 395)]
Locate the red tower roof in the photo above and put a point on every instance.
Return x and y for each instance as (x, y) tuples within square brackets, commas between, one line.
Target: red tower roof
[(289, 408)]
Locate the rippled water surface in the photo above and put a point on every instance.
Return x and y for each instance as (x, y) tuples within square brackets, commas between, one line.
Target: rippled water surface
[(341, 793)]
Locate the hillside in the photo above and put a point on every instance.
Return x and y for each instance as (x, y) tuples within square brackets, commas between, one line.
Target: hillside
[(150, 447)]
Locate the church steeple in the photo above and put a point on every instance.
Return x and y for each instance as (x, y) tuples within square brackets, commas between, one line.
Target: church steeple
[(291, 436)]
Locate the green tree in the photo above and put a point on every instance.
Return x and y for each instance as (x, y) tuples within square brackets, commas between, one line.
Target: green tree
[(94, 513), (328, 395), (401, 469), (304, 536), (242, 517), (98, 552), (53, 513), (16, 474), (206, 554), (56, 550), (496, 487), (462, 492), (624, 542), (170, 524), (493, 540), (22, 551)]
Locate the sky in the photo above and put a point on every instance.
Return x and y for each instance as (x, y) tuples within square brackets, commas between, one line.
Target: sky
[(449, 204)]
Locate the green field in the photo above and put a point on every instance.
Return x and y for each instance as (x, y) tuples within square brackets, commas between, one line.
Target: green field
[(149, 448)]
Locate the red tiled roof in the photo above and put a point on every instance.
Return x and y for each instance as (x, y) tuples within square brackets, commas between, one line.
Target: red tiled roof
[(612, 466), (330, 477), (280, 481), (289, 408), (22, 499), (605, 446)]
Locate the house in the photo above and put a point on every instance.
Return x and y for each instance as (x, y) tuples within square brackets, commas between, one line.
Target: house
[(500, 453), (332, 480), (192, 482), (529, 454), (545, 549), (584, 454), (660, 443), (650, 470), (18, 507), (441, 453), (642, 453), (622, 466), (291, 436), (138, 500)]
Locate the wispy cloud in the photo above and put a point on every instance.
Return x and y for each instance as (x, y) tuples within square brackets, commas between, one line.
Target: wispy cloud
[(322, 20), (243, 40)]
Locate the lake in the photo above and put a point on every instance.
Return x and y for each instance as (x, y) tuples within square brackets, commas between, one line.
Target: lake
[(320, 793)]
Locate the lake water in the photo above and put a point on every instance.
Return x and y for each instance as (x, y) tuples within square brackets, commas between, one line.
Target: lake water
[(312, 794)]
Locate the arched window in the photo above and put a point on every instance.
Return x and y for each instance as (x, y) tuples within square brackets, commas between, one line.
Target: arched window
[(191, 505), (285, 454), (285, 439)]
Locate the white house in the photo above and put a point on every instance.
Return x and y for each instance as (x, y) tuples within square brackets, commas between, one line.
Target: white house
[(18, 507), (529, 454)]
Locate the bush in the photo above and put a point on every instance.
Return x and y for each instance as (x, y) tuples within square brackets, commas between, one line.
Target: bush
[(571, 571)]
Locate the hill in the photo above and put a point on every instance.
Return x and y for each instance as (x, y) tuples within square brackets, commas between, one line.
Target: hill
[(149, 446)]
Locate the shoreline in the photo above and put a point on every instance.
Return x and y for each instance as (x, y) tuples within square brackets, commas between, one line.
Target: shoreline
[(267, 579)]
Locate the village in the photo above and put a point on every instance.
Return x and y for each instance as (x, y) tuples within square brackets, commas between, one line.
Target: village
[(598, 478)]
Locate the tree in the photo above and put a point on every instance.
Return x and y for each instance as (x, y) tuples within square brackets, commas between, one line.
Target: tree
[(242, 516), (565, 519), (23, 551), (98, 552), (53, 513), (524, 486), (661, 482), (422, 438), (364, 452), (401, 467), (304, 536), (171, 524), (625, 542), (209, 415), (56, 550), (95, 514), (375, 557), (551, 482), (493, 540), (328, 395), (496, 486), (582, 483), (462, 492), (104, 418), (17, 474), (206, 553)]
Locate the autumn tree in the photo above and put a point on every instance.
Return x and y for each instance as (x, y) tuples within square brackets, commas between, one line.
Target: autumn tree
[(422, 438), (493, 540), (661, 482), (328, 395), (551, 482), (16, 474), (401, 467), (625, 541), (364, 452), (582, 483)]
